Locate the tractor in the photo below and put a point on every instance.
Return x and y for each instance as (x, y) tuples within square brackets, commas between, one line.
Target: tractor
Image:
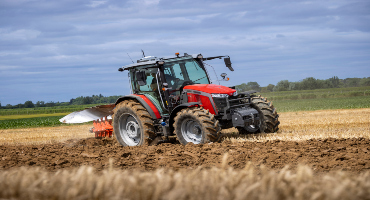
[(174, 98)]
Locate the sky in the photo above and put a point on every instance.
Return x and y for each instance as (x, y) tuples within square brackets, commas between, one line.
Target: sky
[(58, 50)]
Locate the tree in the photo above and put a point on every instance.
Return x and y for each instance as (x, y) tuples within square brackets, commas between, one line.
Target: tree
[(29, 104), (87, 100), (365, 81), (334, 81), (50, 104), (352, 82), (249, 86), (309, 83), (40, 104), (241, 88), (19, 106), (270, 87), (282, 86), (253, 86)]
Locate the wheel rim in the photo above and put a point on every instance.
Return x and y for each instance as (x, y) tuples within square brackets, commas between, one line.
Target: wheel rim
[(129, 129), (191, 131)]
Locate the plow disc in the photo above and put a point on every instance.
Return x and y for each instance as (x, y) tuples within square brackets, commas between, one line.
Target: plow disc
[(102, 128)]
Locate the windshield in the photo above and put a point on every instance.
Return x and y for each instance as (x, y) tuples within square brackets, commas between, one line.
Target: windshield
[(178, 71)]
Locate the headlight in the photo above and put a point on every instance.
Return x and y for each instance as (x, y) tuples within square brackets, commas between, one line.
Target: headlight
[(235, 93), (220, 95)]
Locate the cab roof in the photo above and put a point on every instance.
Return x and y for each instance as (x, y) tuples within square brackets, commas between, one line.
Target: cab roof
[(151, 60)]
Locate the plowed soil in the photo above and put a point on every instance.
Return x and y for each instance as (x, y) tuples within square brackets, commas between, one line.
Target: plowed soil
[(325, 140), (321, 154)]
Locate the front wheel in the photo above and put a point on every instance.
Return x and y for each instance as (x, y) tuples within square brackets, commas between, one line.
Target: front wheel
[(270, 121), (196, 125)]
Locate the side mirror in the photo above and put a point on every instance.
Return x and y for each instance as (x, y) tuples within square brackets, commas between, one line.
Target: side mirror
[(228, 63), (224, 78), (140, 77)]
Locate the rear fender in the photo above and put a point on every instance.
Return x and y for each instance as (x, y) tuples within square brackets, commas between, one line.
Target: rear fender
[(143, 100), (177, 109)]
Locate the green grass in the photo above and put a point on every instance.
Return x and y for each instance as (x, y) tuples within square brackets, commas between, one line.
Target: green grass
[(44, 110), (322, 104), (7, 117), (34, 122), (30, 122), (319, 93)]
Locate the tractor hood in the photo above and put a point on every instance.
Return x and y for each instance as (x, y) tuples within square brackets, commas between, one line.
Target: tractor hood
[(211, 89)]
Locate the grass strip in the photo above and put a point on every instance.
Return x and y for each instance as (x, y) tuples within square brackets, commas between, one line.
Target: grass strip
[(322, 104), (34, 122), (8, 117)]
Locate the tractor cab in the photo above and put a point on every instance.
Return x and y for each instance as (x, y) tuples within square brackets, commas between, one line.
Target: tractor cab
[(162, 80)]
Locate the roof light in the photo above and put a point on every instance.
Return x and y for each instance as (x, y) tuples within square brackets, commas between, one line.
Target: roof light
[(177, 54)]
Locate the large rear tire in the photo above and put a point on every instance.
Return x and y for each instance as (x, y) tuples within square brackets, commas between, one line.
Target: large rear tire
[(132, 124), (196, 125)]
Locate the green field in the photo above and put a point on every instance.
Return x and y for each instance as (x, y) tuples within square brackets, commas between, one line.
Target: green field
[(44, 110), (285, 101), (30, 122), (318, 94), (322, 104)]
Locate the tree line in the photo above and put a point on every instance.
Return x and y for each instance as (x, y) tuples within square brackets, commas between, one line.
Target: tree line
[(94, 99), (309, 83)]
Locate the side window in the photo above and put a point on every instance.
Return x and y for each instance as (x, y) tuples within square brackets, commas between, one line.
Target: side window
[(177, 71), (173, 74), (151, 81)]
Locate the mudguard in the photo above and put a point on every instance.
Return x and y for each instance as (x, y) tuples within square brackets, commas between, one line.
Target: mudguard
[(143, 100)]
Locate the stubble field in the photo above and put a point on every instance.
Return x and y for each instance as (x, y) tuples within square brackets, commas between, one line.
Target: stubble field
[(315, 155)]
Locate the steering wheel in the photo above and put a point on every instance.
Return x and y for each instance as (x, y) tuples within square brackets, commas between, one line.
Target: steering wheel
[(170, 78)]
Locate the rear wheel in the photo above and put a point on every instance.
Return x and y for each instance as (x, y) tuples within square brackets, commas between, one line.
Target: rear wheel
[(270, 122), (132, 124), (196, 125)]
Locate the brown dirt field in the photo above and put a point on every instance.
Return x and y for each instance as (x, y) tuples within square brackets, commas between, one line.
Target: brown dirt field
[(322, 155), (305, 138)]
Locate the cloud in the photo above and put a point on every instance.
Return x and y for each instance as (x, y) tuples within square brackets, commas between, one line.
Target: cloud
[(95, 4), (77, 46)]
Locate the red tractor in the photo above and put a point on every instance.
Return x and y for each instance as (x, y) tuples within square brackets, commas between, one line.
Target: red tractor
[(175, 97)]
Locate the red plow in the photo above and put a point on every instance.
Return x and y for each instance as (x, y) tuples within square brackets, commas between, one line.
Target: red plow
[(102, 128)]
